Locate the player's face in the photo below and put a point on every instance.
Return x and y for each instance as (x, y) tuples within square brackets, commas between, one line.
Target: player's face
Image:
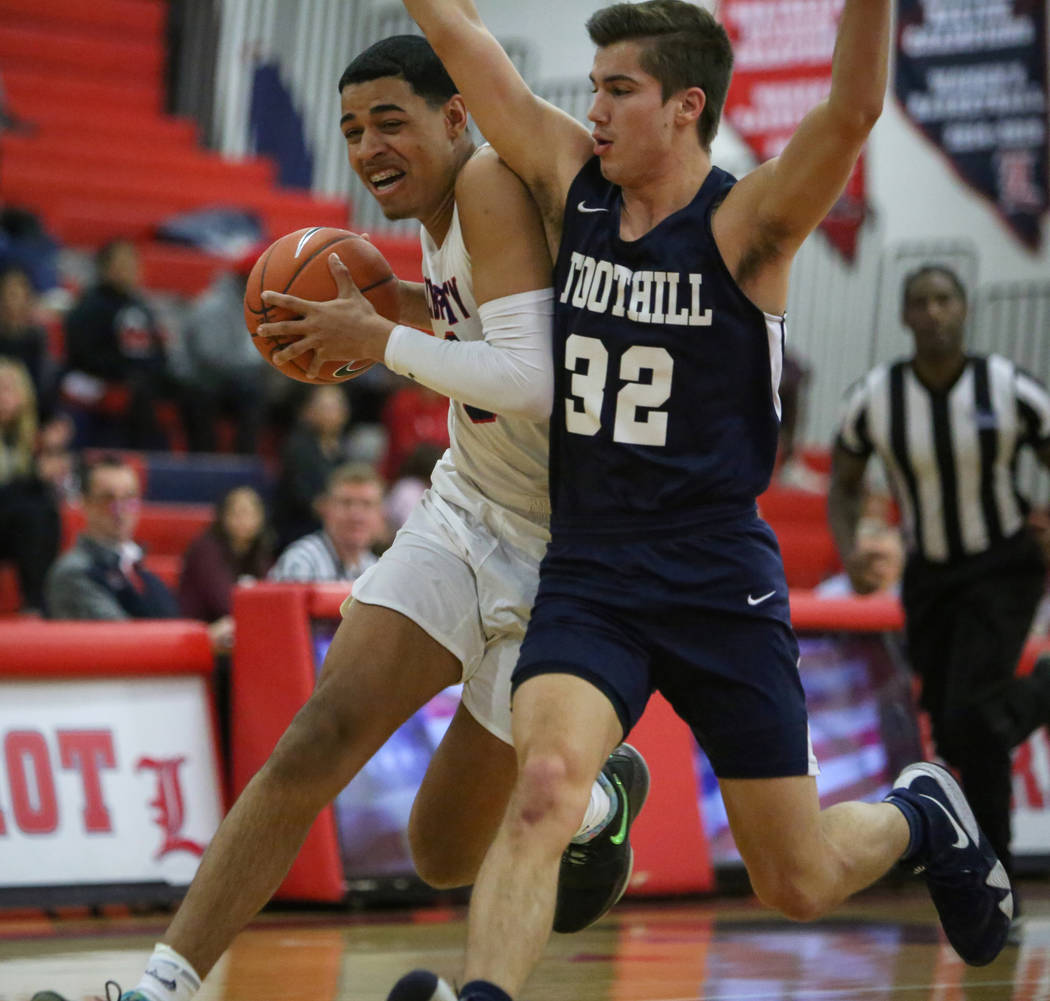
[(632, 123), (936, 314), (400, 147)]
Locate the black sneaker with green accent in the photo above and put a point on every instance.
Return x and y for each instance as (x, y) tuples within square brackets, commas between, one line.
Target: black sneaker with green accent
[(594, 875)]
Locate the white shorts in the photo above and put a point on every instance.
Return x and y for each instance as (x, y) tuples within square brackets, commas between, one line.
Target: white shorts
[(466, 571)]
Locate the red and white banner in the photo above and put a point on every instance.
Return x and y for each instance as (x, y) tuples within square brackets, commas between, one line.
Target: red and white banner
[(781, 70), (106, 781)]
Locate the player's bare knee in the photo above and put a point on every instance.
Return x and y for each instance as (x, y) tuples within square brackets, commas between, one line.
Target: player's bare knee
[(444, 863), (546, 791), (792, 894), (311, 748)]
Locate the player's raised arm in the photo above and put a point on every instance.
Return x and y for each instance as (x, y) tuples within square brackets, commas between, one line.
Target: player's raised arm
[(781, 202), (542, 144)]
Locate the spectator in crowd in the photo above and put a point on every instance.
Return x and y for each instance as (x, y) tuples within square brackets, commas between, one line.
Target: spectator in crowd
[(24, 241), (948, 427), (351, 512), (415, 415), (116, 358), (29, 519), (237, 548), (221, 371), (22, 338), (314, 447), (102, 576)]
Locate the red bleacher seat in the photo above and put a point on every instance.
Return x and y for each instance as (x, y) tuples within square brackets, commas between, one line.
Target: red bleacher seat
[(780, 504), (809, 553), (163, 530), (26, 85), (100, 58), (131, 18), (167, 568)]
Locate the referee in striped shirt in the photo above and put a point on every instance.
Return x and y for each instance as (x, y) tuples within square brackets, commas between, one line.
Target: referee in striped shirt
[(947, 426)]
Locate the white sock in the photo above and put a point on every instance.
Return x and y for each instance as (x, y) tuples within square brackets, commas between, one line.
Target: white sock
[(168, 976), (600, 810)]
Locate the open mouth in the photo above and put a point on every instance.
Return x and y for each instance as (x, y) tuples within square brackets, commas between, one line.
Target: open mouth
[(385, 179), (601, 145)]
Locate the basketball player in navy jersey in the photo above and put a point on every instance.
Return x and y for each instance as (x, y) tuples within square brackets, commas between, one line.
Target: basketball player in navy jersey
[(670, 288)]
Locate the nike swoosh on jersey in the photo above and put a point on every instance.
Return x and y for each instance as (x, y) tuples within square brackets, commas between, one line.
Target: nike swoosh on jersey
[(760, 599), (961, 837), (587, 208)]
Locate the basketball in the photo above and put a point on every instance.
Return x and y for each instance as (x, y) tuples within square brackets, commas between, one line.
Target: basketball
[(297, 264)]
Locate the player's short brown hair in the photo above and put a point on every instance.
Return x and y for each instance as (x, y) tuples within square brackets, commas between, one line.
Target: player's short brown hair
[(682, 46)]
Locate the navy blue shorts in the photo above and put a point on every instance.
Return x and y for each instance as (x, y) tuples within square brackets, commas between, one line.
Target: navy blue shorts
[(702, 618)]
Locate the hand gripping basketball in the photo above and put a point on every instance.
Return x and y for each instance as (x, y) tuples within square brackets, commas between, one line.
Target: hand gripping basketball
[(319, 304)]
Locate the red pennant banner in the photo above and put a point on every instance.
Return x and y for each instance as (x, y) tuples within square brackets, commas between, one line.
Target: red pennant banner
[(782, 69)]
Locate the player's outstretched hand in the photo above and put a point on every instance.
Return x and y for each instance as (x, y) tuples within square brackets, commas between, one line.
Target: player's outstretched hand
[(346, 328)]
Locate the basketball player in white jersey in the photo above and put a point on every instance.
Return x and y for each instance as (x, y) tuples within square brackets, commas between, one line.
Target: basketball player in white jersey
[(449, 601)]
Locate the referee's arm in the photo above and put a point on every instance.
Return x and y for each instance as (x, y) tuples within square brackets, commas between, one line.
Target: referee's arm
[(1039, 520), (845, 499)]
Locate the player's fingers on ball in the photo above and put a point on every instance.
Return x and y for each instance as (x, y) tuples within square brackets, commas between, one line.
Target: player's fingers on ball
[(344, 284), (313, 370), (279, 328), (285, 301), (286, 354)]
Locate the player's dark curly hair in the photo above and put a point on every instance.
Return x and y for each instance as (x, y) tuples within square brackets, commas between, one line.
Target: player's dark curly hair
[(931, 269), (409, 57), (682, 46)]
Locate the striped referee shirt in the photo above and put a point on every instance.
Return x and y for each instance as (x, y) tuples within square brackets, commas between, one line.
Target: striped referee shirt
[(951, 455), (313, 557)]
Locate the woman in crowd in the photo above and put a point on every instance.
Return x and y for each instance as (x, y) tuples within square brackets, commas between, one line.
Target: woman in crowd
[(29, 518)]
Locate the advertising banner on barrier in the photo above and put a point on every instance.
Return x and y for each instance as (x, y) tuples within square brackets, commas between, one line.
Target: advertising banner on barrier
[(106, 781), (782, 53), (972, 76)]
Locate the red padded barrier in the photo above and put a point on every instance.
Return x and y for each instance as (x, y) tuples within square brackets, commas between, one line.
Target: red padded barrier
[(273, 675), (35, 649)]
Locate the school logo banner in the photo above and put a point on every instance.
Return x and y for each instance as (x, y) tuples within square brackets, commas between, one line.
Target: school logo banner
[(781, 69), (972, 76)]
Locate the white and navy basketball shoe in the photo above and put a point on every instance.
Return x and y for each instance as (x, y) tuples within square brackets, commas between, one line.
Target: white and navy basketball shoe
[(421, 985), (594, 875), (969, 885)]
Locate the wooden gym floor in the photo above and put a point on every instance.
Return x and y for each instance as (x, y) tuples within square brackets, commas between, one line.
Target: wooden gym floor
[(883, 946)]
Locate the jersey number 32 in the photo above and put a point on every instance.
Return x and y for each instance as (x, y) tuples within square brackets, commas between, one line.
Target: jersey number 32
[(637, 420)]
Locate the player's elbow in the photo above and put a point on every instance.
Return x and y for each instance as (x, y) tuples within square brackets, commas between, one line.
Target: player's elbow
[(857, 118), (531, 401)]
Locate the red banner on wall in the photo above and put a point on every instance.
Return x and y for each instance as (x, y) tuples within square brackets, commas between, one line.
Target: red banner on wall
[(782, 69)]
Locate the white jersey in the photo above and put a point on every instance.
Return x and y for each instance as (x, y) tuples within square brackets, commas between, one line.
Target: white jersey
[(504, 458)]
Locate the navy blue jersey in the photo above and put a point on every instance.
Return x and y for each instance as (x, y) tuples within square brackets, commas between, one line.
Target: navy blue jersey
[(666, 411)]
